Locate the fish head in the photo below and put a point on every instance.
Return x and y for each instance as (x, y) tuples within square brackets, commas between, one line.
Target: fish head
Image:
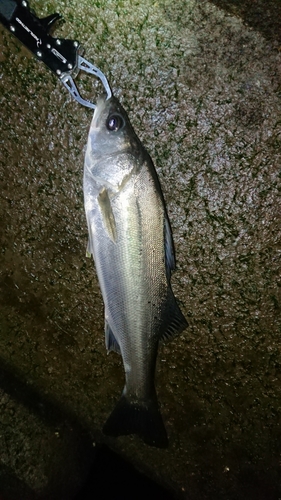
[(111, 131), (113, 151)]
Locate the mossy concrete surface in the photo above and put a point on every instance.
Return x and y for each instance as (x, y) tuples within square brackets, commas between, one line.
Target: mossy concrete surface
[(203, 92)]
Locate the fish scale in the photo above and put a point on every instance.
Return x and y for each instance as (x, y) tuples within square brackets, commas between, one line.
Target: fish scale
[(131, 242)]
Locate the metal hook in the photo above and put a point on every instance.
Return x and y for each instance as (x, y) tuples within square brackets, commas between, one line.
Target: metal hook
[(88, 67)]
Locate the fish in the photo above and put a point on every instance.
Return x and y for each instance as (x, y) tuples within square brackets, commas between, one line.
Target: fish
[(131, 241)]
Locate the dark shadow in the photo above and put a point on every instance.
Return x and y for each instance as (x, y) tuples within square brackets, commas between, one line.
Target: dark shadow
[(103, 473), (13, 383), (113, 478), (262, 15), (75, 442), (11, 487)]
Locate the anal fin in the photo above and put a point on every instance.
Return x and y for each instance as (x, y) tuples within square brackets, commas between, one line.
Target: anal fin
[(110, 340)]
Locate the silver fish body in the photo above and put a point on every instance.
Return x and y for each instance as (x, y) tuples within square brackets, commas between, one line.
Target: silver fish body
[(131, 242)]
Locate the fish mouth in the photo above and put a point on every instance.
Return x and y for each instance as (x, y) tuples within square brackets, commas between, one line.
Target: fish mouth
[(100, 107), (103, 107), (102, 98)]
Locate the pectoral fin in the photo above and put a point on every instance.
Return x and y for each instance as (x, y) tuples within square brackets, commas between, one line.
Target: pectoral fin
[(107, 214)]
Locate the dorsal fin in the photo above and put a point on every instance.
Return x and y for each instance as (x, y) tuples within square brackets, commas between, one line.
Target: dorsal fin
[(169, 248)]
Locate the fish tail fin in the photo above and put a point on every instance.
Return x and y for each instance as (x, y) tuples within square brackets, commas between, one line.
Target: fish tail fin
[(141, 418)]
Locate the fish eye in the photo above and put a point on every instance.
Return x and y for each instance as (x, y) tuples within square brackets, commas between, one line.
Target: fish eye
[(114, 122)]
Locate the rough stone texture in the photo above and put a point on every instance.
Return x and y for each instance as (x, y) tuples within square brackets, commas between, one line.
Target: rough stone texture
[(203, 92)]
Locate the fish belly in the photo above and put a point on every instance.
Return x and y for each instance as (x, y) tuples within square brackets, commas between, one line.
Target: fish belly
[(131, 272)]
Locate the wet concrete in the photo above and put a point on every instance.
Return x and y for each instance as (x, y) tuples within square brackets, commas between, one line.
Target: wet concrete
[(262, 15), (203, 92)]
